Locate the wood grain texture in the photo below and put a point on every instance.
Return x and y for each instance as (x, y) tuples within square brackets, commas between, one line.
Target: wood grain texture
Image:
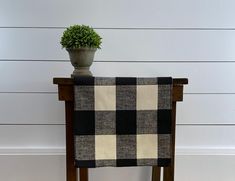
[(65, 87), (83, 174), (156, 173), (71, 171), (169, 172)]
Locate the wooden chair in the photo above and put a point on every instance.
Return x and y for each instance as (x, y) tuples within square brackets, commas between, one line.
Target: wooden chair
[(66, 93)]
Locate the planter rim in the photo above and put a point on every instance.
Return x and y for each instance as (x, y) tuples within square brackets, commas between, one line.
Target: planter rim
[(83, 48)]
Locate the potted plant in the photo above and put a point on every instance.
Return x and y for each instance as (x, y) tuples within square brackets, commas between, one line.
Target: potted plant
[(81, 42)]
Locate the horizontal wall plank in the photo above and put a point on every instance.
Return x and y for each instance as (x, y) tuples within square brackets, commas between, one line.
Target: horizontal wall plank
[(28, 108), (53, 136), (198, 150), (32, 76), (44, 108), (37, 76), (205, 136), (37, 168), (123, 45), (206, 109), (32, 136), (153, 13)]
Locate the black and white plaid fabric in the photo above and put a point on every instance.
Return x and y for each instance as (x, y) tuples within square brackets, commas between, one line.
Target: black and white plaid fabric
[(122, 121)]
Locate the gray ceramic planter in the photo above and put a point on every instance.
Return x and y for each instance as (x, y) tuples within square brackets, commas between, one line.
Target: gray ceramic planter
[(81, 59)]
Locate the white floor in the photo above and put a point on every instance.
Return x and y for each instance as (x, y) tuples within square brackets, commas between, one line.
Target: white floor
[(52, 168)]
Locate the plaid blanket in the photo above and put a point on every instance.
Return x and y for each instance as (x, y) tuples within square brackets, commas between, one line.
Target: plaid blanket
[(122, 121)]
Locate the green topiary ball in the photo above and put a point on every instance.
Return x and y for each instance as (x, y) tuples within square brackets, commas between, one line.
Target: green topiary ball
[(80, 36)]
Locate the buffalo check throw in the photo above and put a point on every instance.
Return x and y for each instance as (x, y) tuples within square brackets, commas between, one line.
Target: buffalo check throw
[(122, 121)]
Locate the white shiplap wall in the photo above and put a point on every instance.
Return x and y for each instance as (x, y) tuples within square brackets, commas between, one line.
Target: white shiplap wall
[(194, 39)]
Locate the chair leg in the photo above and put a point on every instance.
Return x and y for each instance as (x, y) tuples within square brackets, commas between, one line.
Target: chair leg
[(83, 172), (156, 173), (71, 171), (168, 174)]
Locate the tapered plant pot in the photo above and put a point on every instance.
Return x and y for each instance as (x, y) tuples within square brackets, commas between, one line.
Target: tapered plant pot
[(81, 59)]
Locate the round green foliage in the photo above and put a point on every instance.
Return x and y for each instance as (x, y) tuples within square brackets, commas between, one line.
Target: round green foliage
[(80, 36)]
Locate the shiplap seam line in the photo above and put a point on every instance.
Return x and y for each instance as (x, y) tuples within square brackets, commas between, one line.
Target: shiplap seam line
[(62, 124), (205, 124), (181, 151), (124, 28), (36, 124), (207, 93), (194, 93), (32, 151), (28, 92), (122, 61)]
